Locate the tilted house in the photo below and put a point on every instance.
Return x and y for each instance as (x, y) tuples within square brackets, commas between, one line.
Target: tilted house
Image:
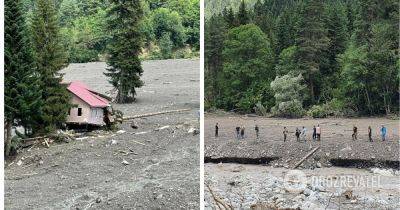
[(89, 106)]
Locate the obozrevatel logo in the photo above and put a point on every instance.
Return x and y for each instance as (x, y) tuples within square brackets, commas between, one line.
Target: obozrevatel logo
[(295, 181)]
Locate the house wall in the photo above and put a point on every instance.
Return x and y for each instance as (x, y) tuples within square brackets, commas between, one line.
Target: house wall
[(73, 114), (97, 116)]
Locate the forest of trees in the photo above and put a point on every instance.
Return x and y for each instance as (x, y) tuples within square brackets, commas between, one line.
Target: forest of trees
[(170, 28), (293, 58)]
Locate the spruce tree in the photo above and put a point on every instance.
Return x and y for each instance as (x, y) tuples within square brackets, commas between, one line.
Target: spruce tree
[(337, 34), (285, 30), (124, 48), (243, 16), (50, 59), (230, 19), (214, 42), (311, 40), (22, 94)]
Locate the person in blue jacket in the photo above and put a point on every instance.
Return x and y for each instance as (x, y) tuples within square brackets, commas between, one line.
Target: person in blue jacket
[(383, 132)]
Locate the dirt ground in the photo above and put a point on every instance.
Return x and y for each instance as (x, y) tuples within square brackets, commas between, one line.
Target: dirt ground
[(153, 167), (336, 141), (250, 172)]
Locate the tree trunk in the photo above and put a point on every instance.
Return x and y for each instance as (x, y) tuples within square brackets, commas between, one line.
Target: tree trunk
[(312, 90), (388, 101), (368, 101), (8, 138)]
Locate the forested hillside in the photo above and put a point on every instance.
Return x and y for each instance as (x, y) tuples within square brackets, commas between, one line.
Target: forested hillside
[(171, 28), (296, 57), (212, 7)]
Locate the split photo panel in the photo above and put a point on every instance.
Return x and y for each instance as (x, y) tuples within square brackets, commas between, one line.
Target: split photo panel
[(200, 104)]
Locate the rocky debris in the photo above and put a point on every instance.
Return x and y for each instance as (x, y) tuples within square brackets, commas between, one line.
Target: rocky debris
[(125, 162), (120, 132), (193, 131), (243, 190), (19, 163), (134, 125), (383, 172)]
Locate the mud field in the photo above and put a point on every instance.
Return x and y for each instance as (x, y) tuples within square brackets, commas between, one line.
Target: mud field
[(251, 173), (153, 167), (336, 145)]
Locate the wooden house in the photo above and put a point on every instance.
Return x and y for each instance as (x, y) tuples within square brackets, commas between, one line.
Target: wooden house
[(89, 108)]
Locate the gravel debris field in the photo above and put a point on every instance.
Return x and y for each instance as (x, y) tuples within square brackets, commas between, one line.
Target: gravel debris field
[(336, 141), (264, 187), (153, 167)]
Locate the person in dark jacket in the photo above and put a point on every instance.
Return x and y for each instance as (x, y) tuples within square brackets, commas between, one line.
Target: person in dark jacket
[(216, 130), (237, 132), (314, 134), (257, 130), (370, 133), (354, 135), (297, 134)]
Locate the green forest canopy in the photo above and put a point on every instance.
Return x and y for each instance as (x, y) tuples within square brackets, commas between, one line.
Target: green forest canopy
[(84, 34), (343, 54)]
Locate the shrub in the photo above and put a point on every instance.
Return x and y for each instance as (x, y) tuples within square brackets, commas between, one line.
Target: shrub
[(331, 108), (288, 109)]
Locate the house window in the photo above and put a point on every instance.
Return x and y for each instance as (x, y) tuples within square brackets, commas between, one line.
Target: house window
[(69, 111), (79, 111)]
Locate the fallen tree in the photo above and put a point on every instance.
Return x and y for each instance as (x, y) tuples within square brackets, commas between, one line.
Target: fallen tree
[(305, 157), (155, 113)]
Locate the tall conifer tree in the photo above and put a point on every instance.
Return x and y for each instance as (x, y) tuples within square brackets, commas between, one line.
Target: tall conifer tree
[(312, 40), (124, 48), (22, 94), (243, 16), (50, 58)]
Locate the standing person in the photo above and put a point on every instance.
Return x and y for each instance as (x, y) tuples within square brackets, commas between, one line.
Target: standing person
[(242, 132), (383, 132), (285, 132), (354, 135), (318, 132), (297, 134), (370, 133), (257, 130), (237, 132), (216, 130), (303, 133), (314, 134)]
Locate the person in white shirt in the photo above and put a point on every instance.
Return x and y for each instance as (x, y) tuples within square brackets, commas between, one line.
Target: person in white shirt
[(318, 131), (303, 133)]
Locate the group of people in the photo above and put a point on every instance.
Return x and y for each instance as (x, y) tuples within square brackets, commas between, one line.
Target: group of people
[(383, 132), (302, 134), (239, 131)]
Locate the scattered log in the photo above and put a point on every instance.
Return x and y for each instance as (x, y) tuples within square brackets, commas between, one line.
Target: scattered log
[(305, 157), (47, 143), (155, 113), (217, 200), (138, 142)]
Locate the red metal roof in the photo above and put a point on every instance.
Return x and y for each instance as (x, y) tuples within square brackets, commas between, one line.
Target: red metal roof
[(83, 92)]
